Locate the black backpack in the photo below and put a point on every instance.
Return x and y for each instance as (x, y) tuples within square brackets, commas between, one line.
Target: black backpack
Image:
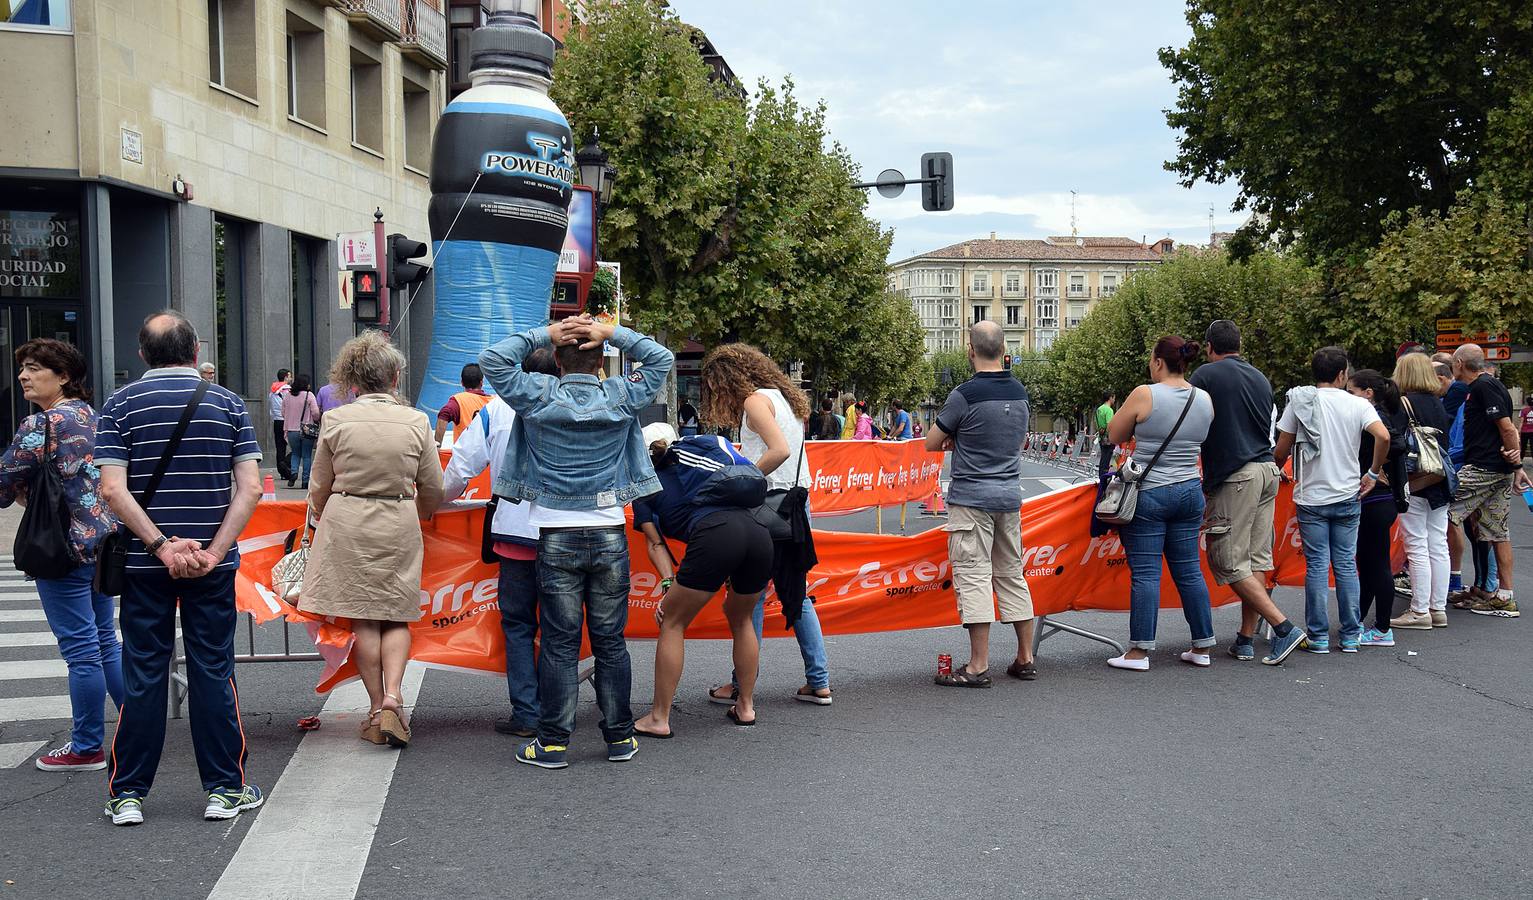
[(42, 541)]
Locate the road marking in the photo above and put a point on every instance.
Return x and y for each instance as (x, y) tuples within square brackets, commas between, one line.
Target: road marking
[(13, 755), (28, 639), (322, 814), (27, 709), (32, 596), (22, 615), (1055, 484), (16, 670)]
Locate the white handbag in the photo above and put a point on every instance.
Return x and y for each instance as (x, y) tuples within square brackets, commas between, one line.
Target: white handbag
[(287, 574)]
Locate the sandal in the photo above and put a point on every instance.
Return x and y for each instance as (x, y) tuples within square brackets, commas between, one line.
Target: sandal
[(713, 695), (808, 694), (1023, 671), (395, 732), (655, 734), (371, 732), (734, 717), (962, 677)]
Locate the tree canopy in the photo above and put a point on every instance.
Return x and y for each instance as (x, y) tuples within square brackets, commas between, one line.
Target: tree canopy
[(733, 220)]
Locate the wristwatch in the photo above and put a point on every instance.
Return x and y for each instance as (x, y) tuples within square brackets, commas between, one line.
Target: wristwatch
[(155, 545)]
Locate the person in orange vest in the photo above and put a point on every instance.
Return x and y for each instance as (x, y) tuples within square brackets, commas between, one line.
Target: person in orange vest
[(461, 408)]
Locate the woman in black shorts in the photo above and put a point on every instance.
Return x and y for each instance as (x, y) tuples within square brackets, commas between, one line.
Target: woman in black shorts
[(724, 545)]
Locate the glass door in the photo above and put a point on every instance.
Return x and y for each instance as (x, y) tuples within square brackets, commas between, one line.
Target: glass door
[(20, 323)]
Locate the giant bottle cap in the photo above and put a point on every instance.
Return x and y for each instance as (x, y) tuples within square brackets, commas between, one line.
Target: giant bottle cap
[(512, 40)]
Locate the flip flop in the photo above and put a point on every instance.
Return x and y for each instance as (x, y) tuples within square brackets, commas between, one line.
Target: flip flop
[(734, 694), (655, 734), (806, 694), (735, 718)]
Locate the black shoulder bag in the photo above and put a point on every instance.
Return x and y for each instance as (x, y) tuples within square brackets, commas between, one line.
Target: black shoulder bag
[(42, 540), (112, 563), (780, 503)]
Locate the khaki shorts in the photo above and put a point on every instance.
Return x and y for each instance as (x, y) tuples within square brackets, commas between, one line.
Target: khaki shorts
[(1239, 523), (985, 549), (1488, 492)]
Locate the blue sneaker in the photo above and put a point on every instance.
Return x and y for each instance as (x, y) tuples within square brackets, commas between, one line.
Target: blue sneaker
[(1349, 645), (1283, 647), (1242, 649), (226, 803), (1317, 645), (622, 751), (1376, 638), (536, 753)]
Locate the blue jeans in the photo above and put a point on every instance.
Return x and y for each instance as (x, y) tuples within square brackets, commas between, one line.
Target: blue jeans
[(1165, 526), (302, 450), (811, 642), (583, 572), (81, 620), (1329, 534), (519, 621)]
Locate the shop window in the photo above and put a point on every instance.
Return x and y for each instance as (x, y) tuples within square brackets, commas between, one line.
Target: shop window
[(229, 302)]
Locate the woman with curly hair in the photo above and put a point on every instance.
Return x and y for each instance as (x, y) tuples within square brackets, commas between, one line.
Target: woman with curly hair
[(743, 387), (376, 475)]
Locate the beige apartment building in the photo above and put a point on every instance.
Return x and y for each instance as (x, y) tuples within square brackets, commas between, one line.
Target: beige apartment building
[(1035, 289), (203, 155)]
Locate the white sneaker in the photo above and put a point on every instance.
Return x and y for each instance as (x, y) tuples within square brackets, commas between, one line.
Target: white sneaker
[(1194, 658), (1413, 621), (1133, 665)]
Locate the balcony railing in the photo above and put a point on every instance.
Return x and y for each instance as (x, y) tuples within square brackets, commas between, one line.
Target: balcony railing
[(423, 34), (1107, 290), (380, 18), (1018, 294), (1079, 291), (1047, 322), (1048, 292), (1020, 323), (979, 291), (1072, 323)]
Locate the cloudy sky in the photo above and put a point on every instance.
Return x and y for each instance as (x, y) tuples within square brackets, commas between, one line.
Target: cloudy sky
[(1033, 99)]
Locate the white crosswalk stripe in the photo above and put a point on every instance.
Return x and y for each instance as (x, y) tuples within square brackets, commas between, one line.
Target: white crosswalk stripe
[(26, 709), (21, 669), (32, 656), (23, 615)]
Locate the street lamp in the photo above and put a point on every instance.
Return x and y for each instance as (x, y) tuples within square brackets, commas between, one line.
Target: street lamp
[(595, 171)]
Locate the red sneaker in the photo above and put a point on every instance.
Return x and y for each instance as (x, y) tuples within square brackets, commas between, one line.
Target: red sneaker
[(65, 759)]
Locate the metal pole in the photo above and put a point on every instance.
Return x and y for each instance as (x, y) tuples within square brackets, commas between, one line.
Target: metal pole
[(880, 519)]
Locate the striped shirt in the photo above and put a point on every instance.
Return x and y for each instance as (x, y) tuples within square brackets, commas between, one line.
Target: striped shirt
[(136, 424)]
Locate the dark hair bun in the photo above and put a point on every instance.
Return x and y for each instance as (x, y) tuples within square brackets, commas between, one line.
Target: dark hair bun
[(1190, 349)]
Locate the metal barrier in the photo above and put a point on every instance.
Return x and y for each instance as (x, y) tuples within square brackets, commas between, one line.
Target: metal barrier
[(178, 680)]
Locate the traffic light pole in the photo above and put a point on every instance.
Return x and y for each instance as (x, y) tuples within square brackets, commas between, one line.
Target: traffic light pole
[(380, 244)]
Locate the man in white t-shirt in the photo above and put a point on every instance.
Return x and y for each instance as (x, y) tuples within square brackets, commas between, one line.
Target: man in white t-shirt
[(1325, 425)]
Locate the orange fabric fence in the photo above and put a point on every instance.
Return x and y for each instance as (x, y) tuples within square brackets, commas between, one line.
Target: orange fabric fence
[(864, 583)]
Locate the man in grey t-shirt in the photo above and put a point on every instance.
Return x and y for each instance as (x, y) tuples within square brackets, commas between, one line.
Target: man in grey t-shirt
[(983, 423)]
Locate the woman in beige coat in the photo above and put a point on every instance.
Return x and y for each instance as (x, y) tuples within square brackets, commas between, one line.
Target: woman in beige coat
[(376, 475)]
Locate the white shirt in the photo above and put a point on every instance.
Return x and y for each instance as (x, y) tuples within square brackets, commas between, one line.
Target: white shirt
[(476, 450), (753, 446), (543, 517), (1332, 475)]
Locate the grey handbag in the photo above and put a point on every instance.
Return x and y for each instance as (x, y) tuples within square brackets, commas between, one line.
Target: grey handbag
[(1120, 498)]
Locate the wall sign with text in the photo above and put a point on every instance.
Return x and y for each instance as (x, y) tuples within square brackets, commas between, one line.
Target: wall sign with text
[(39, 254)]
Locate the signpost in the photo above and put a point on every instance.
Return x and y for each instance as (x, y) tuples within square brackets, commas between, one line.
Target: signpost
[(356, 250), (1497, 345)]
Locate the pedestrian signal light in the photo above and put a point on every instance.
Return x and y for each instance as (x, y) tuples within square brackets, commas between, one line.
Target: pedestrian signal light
[(364, 296)]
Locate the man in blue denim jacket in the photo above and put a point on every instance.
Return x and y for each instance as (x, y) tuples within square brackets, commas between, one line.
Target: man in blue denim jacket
[(578, 456)]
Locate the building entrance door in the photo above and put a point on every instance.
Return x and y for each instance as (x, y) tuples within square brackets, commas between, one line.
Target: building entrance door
[(19, 323)]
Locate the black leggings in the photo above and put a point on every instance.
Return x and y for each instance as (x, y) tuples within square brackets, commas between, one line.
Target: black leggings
[(1374, 572), (1481, 550)]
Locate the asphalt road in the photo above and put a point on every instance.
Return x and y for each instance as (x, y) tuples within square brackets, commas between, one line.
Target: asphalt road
[(1396, 772)]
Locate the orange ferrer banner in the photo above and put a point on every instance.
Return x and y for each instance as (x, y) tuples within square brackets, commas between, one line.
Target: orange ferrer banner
[(863, 583)]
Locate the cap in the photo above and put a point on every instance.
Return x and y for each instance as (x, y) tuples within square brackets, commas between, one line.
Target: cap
[(510, 40), (659, 431)]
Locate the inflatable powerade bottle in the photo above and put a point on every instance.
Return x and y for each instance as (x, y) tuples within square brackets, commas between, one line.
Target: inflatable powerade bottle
[(501, 170)]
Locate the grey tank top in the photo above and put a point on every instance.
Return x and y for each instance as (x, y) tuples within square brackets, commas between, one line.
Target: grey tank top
[(1180, 461)]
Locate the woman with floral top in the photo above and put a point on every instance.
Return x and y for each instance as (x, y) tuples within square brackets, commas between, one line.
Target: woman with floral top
[(53, 377)]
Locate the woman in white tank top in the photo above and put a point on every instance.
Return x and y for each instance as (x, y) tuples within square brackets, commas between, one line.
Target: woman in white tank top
[(742, 384)]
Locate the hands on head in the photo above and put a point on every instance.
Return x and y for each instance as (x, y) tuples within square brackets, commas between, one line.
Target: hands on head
[(186, 558), (582, 330)]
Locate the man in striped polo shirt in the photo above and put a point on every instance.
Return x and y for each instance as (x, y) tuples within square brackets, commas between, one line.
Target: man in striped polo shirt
[(181, 550)]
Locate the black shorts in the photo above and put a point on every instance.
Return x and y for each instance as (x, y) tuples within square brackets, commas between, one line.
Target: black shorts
[(727, 545)]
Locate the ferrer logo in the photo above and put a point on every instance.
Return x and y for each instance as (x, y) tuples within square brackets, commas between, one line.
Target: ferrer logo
[(548, 162)]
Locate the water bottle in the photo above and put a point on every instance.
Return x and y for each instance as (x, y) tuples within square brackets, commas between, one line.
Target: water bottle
[(502, 169), (1527, 497)]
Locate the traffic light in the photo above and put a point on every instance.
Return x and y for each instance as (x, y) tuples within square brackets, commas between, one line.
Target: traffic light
[(937, 196), (1008, 360), (364, 296), (403, 272)]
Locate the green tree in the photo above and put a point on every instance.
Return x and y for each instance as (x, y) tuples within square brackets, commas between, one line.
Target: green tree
[(1334, 116), (947, 369)]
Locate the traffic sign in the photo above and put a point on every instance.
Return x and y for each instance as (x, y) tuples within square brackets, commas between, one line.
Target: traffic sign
[(356, 250), (1498, 354), (1450, 324), (1449, 340)]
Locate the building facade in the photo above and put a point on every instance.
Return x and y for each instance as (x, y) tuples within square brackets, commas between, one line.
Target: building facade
[(203, 155), (1035, 289)]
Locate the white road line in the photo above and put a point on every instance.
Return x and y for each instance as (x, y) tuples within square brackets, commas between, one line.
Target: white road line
[(16, 670), (23, 615), (26, 709), (28, 639), (1055, 484), (32, 596), (13, 755), (323, 811)]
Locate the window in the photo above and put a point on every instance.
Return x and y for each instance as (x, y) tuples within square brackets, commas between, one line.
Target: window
[(305, 71), (366, 101), (1048, 282), (51, 15), (979, 284), (229, 302), (463, 18), (1013, 314), (980, 312), (1013, 284), (947, 281), (231, 45), (417, 126), (1048, 311), (1045, 339), (1109, 284), (1077, 284)]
